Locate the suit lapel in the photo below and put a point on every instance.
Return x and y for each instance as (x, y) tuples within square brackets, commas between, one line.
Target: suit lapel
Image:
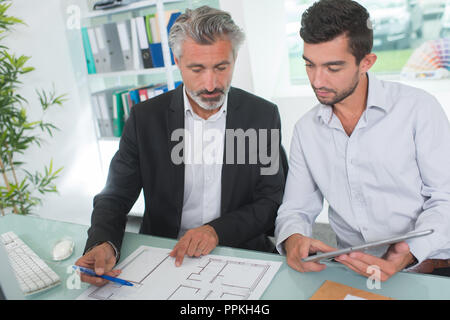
[(229, 170), (175, 120)]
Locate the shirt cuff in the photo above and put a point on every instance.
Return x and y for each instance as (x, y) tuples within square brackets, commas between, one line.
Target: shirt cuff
[(116, 252), (420, 249), (288, 231)]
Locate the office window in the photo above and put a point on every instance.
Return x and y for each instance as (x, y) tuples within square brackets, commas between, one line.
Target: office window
[(400, 26)]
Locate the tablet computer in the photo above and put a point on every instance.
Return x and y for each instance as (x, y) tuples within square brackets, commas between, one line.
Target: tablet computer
[(373, 244)]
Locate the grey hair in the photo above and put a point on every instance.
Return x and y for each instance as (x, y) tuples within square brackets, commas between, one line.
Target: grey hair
[(205, 25)]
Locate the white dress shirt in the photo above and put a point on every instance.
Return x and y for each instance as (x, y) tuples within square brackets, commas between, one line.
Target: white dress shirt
[(391, 176), (204, 147)]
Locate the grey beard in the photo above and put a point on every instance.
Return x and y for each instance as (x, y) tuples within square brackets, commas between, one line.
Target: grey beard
[(209, 104)]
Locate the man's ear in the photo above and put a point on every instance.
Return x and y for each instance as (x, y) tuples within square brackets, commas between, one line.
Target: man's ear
[(367, 62)]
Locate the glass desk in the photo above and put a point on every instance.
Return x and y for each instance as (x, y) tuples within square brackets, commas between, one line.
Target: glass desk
[(40, 235)]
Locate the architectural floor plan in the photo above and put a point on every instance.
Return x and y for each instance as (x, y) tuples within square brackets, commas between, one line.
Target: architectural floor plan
[(212, 277)]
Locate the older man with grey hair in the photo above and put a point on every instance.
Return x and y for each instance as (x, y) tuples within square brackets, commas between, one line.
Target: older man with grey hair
[(199, 186)]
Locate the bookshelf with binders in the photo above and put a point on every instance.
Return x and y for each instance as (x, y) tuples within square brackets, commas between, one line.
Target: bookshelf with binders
[(127, 58), (111, 89)]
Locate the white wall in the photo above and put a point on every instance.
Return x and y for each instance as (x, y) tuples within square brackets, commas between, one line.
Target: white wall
[(242, 73), (264, 26)]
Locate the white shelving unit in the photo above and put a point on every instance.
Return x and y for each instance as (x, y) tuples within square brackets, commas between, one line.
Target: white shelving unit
[(142, 72), (107, 146), (99, 81), (127, 8), (136, 7), (90, 83), (133, 10)]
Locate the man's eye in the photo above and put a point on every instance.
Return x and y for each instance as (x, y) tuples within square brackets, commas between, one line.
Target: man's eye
[(334, 70), (196, 70), (221, 67)]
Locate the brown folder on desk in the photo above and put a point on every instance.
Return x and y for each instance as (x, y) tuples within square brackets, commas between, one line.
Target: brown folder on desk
[(336, 291)]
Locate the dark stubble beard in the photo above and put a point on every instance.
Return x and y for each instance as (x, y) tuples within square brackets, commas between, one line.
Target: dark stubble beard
[(339, 96)]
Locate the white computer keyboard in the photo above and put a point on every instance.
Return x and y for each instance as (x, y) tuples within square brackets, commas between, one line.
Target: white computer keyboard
[(32, 273)]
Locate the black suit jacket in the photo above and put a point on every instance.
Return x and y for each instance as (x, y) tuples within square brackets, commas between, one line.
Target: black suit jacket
[(249, 200)]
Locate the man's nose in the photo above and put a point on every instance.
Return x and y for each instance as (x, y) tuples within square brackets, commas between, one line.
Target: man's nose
[(210, 80), (318, 78)]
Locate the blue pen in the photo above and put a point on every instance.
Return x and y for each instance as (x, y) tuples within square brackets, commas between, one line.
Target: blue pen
[(113, 279)]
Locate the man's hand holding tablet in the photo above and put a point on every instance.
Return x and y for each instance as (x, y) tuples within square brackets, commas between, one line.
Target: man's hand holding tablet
[(396, 258), (299, 247)]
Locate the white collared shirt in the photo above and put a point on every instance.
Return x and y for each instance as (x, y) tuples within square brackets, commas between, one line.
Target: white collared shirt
[(391, 176), (204, 147)]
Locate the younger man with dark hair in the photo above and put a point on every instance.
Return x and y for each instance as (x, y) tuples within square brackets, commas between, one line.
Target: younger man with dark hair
[(378, 151)]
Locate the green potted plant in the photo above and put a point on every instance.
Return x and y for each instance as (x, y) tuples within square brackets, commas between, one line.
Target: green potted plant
[(20, 189)]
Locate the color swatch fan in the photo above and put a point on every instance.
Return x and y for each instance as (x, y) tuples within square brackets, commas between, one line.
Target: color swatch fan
[(431, 60)]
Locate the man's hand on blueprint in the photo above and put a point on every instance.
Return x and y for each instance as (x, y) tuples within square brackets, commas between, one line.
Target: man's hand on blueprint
[(101, 259), (195, 242)]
